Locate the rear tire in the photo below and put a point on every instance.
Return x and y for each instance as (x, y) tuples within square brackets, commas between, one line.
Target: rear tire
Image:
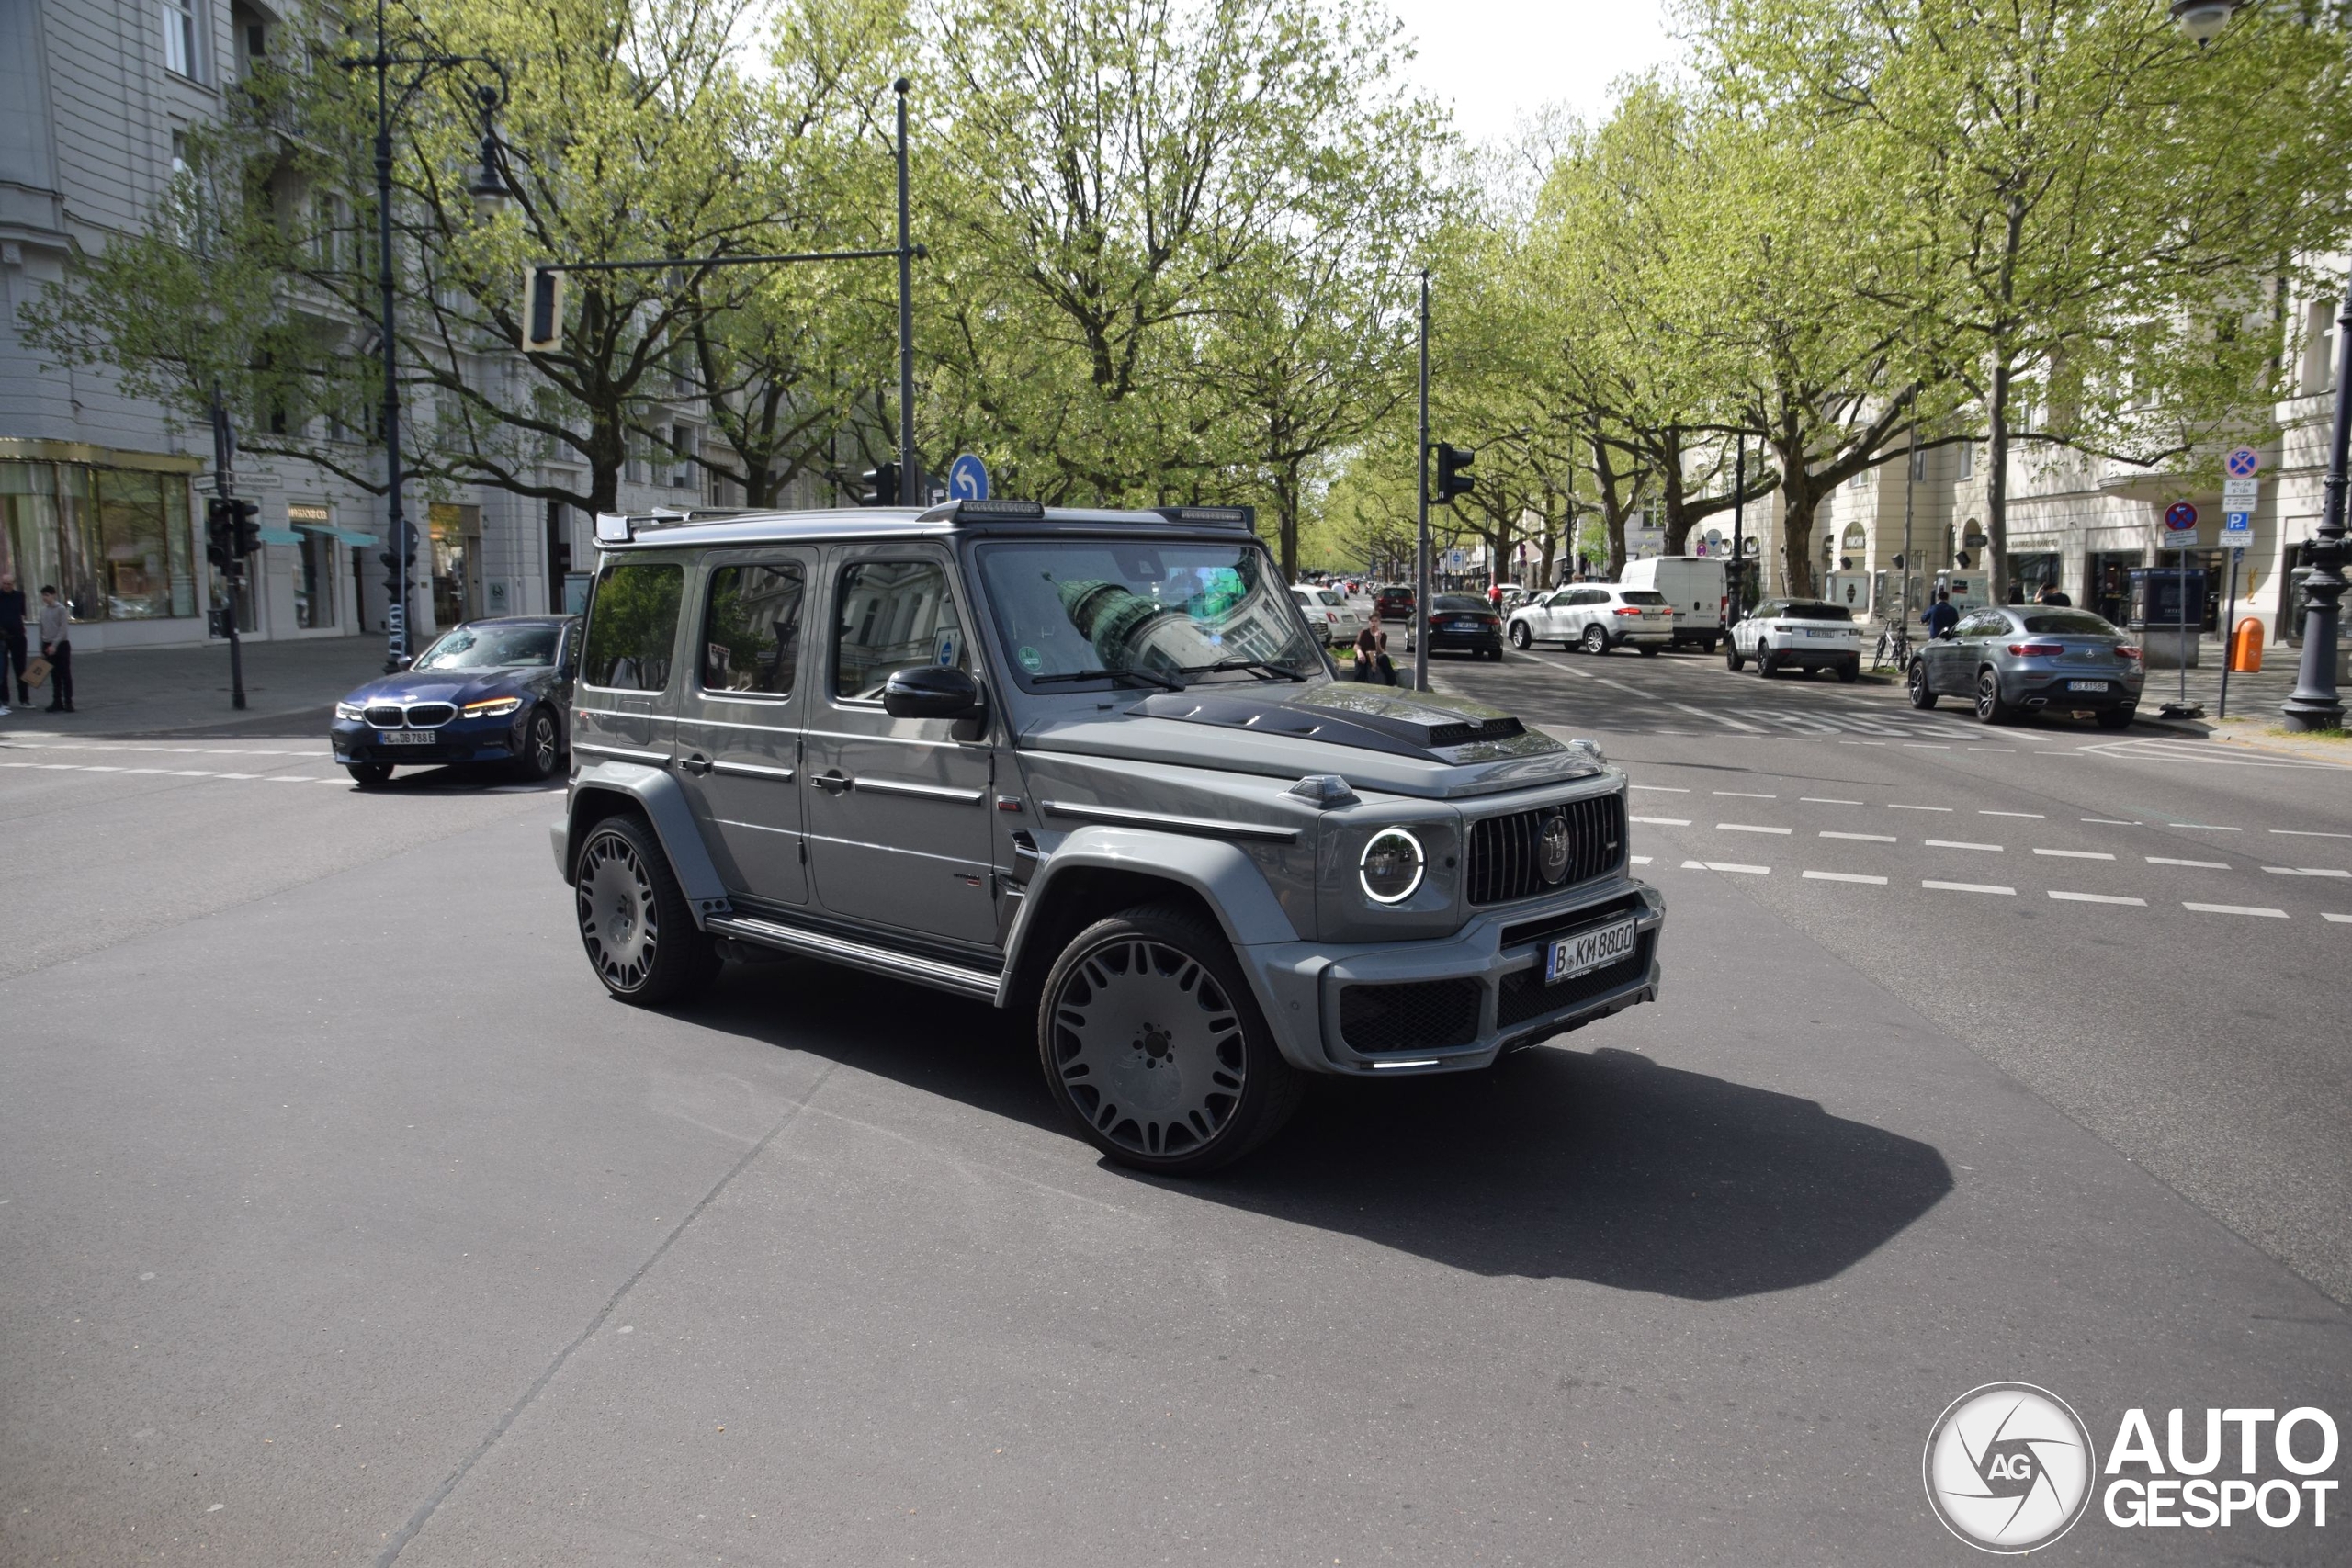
[(1766, 665), (1923, 696), (1150, 1040), (370, 775), (2115, 719), (1850, 670), (1649, 651), (639, 934)]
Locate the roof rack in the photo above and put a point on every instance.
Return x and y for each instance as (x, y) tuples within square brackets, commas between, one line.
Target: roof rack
[(620, 527)]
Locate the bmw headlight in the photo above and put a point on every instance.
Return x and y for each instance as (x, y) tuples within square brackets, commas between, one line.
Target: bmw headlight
[(1392, 866), (492, 707), (349, 711)]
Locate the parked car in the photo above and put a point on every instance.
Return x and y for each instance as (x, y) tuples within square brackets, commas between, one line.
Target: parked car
[(1394, 601), (1327, 610), (1512, 597), (1461, 622), (1801, 634), (1595, 618), (2015, 659), (487, 693), (1088, 766), (1696, 586)]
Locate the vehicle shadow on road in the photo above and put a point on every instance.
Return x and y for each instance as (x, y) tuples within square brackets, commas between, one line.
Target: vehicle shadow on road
[(1598, 1165)]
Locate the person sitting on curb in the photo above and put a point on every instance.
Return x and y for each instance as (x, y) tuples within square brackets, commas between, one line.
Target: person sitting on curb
[(1371, 654)]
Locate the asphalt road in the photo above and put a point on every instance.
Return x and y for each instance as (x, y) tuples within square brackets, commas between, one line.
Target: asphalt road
[(343, 1220)]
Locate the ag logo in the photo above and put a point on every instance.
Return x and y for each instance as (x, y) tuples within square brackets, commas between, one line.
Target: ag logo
[(1552, 847), (2008, 1467)]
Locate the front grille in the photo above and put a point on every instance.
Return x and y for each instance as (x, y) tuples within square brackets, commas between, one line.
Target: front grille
[(1420, 1015), (1504, 851), (430, 716), (1524, 995), (1551, 926), (385, 718)]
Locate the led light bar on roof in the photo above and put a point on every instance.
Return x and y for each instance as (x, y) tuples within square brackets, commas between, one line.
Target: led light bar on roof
[(970, 511), (1213, 516)]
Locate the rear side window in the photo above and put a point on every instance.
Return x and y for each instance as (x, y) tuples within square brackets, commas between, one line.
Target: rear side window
[(1817, 612), (751, 639), (1641, 596), (895, 614), (632, 626)]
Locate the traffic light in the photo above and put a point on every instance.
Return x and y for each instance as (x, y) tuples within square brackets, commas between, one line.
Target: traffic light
[(218, 533), (543, 312), (1453, 471), (245, 526), (882, 485)]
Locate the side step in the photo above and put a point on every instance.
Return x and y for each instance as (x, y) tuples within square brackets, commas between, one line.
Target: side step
[(931, 972)]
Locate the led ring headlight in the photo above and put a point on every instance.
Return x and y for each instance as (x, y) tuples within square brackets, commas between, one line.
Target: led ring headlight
[(1392, 866)]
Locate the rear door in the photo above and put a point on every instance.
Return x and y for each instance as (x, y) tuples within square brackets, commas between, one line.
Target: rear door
[(621, 707), (738, 721), (898, 808)]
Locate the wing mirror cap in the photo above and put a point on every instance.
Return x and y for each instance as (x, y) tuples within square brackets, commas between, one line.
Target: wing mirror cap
[(933, 693)]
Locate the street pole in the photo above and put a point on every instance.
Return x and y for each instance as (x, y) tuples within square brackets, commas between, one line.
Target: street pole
[(2315, 705), (909, 469), (1910, 477), (1421, 486), (399, 550), (1738, 528), (2222, 708), (224, 485)]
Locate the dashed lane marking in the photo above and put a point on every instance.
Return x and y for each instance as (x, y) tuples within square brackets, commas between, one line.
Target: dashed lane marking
[(1960, 844), (2338, 919), (2200, 864), (2096, 898), (2304, 871), (2234, 910), (1662, 821), (2075, 855), (1726, 865), (2203, 827), (1640, 859), (2307, 833), (2110, 822), (2033, 814), (1743, 795), (1844, 876), (1748, 828), (1662, 789), (1866, 838), (1970, 887), (1825, 800), (1924, 746), (1898, 806)]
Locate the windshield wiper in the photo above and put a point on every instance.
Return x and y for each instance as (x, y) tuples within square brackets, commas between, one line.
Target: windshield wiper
[(1166, 682), (1280, 671)]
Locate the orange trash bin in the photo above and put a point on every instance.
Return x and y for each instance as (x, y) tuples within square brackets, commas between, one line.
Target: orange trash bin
[(2245, 647)]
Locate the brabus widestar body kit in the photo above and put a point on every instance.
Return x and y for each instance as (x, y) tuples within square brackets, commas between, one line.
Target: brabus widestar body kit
[(1095, 767)]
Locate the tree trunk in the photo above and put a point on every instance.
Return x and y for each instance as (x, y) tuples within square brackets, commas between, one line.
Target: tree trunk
[(1671, 498), (1799, 502), (1997, 480)]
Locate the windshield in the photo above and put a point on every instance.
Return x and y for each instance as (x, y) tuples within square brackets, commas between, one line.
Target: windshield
[(1068, 606), (2078, 622), (493, 646), (1817, 612)]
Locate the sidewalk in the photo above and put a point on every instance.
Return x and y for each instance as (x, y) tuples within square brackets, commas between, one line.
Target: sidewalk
[(290, 689)]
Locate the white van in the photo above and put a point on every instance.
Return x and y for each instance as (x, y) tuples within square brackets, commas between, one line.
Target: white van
[(1694, 585)]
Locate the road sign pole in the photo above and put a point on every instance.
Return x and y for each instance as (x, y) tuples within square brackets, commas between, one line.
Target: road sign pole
[(2221, 709)]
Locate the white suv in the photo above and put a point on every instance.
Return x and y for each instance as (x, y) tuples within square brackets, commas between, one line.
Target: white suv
[(1803, 633), (1594, 617)]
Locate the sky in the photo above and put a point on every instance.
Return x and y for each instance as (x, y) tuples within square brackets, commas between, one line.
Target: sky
[(1498, 59)]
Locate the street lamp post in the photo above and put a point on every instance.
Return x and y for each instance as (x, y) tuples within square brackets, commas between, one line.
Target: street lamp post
[(400, 555)]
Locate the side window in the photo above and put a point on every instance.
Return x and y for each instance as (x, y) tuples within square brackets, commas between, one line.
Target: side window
[(750, 636), (894, 616), (632, 626)]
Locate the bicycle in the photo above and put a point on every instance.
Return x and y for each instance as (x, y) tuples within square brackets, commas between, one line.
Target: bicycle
[(1894, 647)]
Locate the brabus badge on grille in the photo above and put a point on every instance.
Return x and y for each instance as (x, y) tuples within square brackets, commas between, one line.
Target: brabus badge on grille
[(1551, 849)]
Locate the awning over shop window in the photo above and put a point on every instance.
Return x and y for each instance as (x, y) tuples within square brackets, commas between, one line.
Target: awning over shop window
[(348, 536), (277, 535)]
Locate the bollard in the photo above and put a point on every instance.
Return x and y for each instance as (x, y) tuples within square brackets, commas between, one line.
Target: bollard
[(2245, 647)]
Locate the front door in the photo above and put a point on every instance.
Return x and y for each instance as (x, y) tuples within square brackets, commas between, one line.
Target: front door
[(898, 816), (620, 707), (739, 723)]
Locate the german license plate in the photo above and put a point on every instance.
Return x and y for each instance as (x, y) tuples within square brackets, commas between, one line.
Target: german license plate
[(1810, 632), (404, 738), (1587, 950), (2087, 685)]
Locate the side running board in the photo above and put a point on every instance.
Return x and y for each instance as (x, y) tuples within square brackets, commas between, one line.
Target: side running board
[(931, 972)]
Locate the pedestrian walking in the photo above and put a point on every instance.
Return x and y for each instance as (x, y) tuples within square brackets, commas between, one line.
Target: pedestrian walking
[(1939, 616), (2054, 597), (1371, 653), (12, 642), (57, 647)]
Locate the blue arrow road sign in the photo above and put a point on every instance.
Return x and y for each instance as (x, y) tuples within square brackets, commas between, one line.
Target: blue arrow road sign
[(967, 479)]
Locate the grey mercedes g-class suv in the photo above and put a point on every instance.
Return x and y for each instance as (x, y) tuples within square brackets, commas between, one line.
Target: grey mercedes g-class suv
[(1090, 765)]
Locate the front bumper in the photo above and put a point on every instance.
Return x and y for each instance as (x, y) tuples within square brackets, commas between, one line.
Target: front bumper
[(459, 740), (1496, 956)]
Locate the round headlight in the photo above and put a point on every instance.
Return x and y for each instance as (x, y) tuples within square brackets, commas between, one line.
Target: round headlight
[(1392, 866)]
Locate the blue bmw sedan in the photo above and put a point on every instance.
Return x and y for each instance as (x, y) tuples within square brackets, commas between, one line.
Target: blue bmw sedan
[(493, 692)]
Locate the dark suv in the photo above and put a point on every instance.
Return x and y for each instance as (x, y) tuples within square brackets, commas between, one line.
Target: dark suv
[(1095, 767)]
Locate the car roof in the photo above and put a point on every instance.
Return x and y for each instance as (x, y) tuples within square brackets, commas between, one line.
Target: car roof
[(719, 530)]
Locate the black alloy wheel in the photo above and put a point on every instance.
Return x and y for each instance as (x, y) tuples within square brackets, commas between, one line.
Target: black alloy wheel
[(640, 936), (540, 748), (1923, 696), (1150, 1040), (370, 775)]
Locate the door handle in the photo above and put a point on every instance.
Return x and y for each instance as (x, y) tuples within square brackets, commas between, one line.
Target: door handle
[(695, 762), (836, 781)]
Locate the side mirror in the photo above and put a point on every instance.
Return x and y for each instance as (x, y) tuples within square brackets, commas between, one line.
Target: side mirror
[(932, 692), (404, 661), (1949, 634)]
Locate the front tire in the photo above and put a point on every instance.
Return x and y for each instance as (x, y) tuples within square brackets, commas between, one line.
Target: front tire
[(1734, 659), (1596, 641), (1766, 665), (1151, 1041), (370, 775), (2115, 719), (1923, 696), (1648, 650), (1521, 638), (541, 748), (639, 934)]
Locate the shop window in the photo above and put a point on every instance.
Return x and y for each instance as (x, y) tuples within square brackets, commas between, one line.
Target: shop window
[(115, 541), (317, 583)]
